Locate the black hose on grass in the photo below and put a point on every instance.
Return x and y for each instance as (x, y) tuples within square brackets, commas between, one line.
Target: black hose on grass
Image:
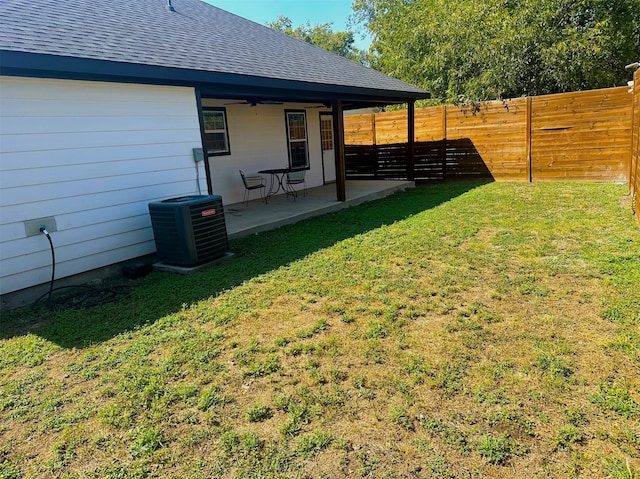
[(87, 297)]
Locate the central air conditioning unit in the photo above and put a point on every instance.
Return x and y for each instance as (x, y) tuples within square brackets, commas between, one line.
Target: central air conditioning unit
[(189, 230)]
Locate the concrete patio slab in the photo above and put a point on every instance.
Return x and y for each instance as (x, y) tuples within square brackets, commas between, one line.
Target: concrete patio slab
[(282, 210)]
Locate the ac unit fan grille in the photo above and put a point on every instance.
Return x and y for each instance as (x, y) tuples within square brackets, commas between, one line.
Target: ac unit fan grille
[(209, 232)]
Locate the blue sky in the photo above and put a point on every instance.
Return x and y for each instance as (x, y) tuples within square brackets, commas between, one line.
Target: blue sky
[(314, 11)]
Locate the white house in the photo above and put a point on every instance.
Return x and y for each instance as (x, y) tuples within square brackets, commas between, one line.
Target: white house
[(102, 103)]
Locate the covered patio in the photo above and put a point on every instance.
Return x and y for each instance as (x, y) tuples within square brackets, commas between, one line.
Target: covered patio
[(192, 96), (281, 210)]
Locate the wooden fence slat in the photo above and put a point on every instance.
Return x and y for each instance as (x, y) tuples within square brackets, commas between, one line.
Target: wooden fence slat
[(563, 136), (634, 167)]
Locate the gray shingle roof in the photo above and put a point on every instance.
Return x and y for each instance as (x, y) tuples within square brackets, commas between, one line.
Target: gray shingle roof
[(197, 36)]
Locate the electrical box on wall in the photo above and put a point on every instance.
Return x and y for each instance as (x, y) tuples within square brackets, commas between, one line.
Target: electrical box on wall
[(32, 227), (198, 155)]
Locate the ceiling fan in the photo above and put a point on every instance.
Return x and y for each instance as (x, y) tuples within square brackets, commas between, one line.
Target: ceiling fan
[(325, 104), (255, 102)]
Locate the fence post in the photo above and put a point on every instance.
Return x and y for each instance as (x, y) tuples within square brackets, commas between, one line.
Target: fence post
[(528, 139), (444, 143), (411, 138), (634, 171), (374, 147), (373, 127)]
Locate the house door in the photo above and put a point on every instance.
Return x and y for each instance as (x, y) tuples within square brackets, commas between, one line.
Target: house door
[(328, 153)]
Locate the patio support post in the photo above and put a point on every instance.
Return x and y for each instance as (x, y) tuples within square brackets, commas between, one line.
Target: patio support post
[(338, 140), (411, 140), (203, 139)]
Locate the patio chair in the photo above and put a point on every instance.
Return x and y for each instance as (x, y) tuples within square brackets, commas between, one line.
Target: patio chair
[(296, 178), (253, 182)]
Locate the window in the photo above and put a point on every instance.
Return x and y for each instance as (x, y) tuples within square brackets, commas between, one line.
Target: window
[(297, 139), (216, 131), (326, 132)]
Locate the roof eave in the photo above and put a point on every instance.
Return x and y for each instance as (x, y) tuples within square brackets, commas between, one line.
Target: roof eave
[(218, 84)]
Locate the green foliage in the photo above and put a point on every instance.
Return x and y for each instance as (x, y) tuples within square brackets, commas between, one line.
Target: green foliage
[(498, 449), (512, 419), (258, 413), (618, 468), (449, 376), (211, 398), (450, 435), (440, 467), (259, 368), (9, 471), (282, 402), (375, 330), (468, 51), (30, 352), (117, 471), (116, 416), (317, 328), (615, 397), (321, 35), (298, 415), (567, 436), (553, 365), (314, 442), (400, 416), (337, 376), (232, 442), (576, 417), (368, 464), (146, 441), (282, 341)]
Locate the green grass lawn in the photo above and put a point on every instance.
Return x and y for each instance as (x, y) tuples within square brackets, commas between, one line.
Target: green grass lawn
[(457, 330)]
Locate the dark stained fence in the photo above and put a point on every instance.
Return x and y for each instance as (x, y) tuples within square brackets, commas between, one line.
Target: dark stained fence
[(377, 162), (430, 162), (361, 162), (435, 161), (463, 160), (392, 160)]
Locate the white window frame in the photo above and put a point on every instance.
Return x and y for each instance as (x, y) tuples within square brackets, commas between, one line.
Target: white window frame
[(290, 141)]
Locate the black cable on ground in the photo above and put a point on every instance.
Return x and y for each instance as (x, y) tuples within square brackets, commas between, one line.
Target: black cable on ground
[(84, 297)]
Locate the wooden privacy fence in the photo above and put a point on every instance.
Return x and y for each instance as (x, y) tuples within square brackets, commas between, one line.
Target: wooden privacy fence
[(634, 179), (579, 136)]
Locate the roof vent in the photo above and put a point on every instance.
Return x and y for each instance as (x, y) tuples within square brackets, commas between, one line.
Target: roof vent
[(170, 7)]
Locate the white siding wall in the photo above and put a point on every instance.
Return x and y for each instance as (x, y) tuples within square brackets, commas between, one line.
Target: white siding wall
[(92, 155), (258, 139)]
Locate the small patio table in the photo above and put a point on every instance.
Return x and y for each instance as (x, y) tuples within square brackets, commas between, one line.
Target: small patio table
[(277, 179)]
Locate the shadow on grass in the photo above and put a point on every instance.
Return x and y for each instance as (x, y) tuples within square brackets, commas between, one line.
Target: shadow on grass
[(161, 294)]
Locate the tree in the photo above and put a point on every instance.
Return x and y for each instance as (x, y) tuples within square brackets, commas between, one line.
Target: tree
[(321, 35), (473, 50)]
